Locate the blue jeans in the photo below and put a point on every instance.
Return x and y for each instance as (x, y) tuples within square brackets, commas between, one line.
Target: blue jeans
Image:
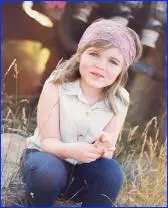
[(47, 177)]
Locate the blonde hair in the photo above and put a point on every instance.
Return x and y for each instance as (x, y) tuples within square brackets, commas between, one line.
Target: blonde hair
[(68, 71)]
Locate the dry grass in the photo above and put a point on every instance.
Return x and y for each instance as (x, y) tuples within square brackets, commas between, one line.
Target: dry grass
[(145, 168), (139, 151)]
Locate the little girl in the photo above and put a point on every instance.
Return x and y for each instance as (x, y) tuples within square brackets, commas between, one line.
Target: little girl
[(80, 114)]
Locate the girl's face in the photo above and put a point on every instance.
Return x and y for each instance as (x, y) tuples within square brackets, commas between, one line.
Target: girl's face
[(100, 68)]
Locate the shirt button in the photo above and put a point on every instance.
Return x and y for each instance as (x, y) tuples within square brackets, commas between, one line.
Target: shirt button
[(88, 112), (80, 137)]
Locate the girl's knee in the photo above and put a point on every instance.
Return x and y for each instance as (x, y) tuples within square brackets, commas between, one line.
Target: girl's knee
[(115, 169), (49, 177), (45, 170), (111, 171)]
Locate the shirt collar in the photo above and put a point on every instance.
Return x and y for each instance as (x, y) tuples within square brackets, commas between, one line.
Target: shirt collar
[(74, 89)]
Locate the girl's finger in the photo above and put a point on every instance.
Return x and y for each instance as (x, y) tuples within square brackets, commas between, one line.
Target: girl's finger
[(100, 135), (90, 160), (93, 156), (105, 139)]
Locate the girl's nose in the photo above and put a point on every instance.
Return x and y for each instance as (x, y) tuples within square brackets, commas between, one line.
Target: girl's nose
[(101, 65)]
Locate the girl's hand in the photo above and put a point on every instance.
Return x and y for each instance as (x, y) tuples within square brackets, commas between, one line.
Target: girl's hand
[(85, 152), (104, 141)]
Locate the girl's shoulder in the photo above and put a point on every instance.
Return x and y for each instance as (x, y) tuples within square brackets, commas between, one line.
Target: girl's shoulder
[(53, 75), (64, 87)]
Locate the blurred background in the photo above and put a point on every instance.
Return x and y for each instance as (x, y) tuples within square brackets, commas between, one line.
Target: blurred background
[(36, 35)]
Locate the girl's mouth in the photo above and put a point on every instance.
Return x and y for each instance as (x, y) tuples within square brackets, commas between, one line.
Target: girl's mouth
[(97, 75)]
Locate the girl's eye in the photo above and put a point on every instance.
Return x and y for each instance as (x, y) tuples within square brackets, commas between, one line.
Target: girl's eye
[(113, 62), (93, 54)]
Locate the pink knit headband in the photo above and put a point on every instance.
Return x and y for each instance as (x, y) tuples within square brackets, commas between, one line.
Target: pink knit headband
[(113, 32)]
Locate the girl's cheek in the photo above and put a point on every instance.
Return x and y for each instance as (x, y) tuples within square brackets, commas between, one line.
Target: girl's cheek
[(113, 73), (82, 67), (85, 67)]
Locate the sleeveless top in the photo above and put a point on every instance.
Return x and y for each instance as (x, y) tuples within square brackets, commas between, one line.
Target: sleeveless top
[(79, 121)]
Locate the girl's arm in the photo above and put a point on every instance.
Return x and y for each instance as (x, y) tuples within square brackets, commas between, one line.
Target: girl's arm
[(108, 137), (48, 121), (112, 131)]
